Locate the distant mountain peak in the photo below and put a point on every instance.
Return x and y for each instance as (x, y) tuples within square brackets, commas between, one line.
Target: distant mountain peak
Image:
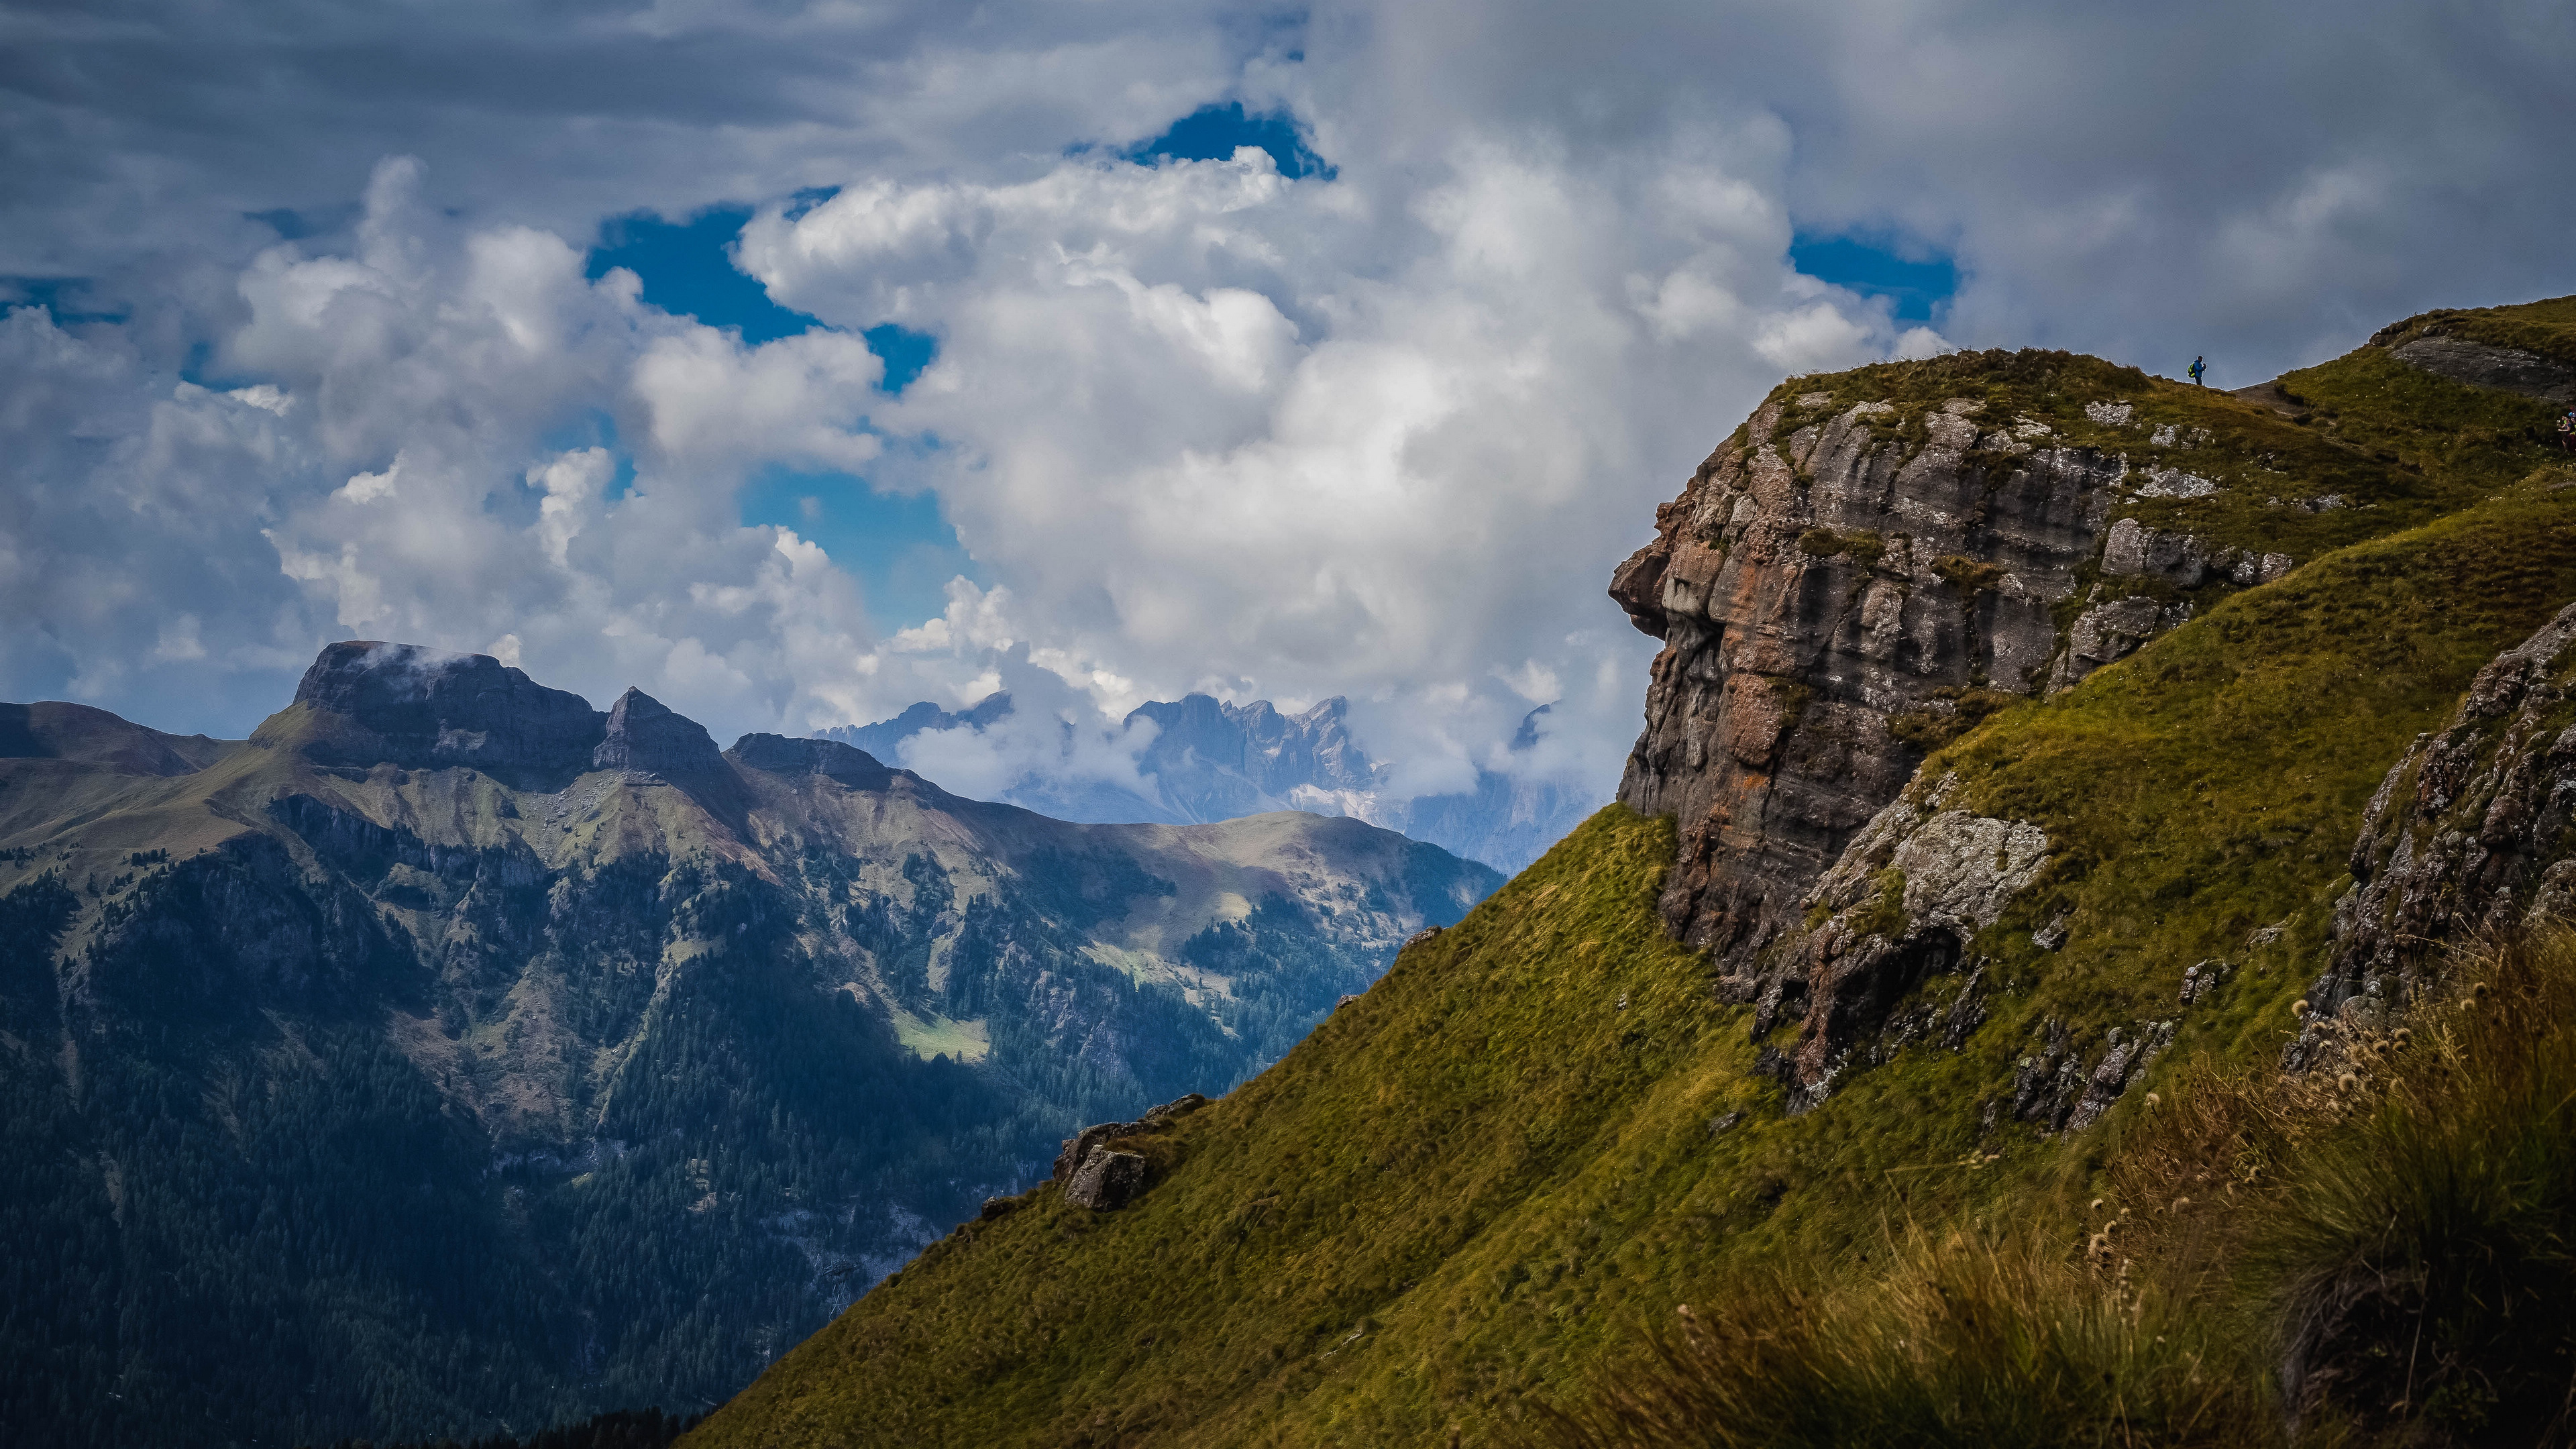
[(645, 734), (1211, 760), (421, 708)]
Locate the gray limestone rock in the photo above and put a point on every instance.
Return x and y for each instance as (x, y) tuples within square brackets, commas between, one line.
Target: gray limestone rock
[(2202, 979), (2480, 364), (1180, 1106), (2472, 830), (1107, 1180), (2053, 1087), (2102, 635), (1961, 870), (2139, 551), (1845, 978), (2175, 483), (1078, 1148)]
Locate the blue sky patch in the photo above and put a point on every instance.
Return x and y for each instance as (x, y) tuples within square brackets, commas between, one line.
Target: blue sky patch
[(687, 273), (903, 351), (1211, 133), (69, 299), (1916, 279), (899, 548)]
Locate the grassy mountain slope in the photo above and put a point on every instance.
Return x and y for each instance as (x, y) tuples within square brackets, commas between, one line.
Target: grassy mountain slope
[(1490, 1182)]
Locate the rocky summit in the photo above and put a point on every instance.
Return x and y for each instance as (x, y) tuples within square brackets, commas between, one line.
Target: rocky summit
[(1205, 759), (2080, 956), (643, 734), (400, 704), (451, 1053)]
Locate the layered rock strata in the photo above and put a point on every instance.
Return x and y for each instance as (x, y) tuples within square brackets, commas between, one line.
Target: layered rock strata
[(2472, 831), (1813, 589)]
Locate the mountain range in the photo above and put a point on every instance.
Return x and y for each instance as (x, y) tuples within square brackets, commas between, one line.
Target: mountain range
[(1209, 760), (2084, 953), (452, 1057)]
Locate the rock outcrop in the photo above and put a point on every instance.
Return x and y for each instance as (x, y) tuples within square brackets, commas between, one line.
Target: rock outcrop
[(2474, 829), (1082, 1147), (647, 736), (2109, 632), (1810, 588), (1107, 1180), (780, 755), (1898, 908), (2056, 1088), (422, 709), (1079, 1147), (2429, 346)]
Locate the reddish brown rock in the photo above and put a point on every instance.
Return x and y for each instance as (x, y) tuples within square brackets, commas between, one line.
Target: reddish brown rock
[(1811, 586)]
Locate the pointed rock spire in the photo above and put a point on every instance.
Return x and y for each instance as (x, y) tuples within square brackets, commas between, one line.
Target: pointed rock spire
[(644, 734)]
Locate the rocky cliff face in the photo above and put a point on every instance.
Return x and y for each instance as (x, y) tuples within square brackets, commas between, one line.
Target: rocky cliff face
[(421, 709), (1867, 568), (1830, 586), (1879, 560), (2470, 833)]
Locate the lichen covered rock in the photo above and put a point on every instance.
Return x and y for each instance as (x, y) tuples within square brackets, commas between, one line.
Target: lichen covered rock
[(1901, 906), (1108, 1179), (2473, 830)]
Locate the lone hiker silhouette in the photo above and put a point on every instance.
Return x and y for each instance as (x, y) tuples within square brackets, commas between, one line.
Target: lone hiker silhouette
[(2199, 365)]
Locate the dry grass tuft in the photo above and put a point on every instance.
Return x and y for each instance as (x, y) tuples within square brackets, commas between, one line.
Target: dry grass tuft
[(2383, 1251)]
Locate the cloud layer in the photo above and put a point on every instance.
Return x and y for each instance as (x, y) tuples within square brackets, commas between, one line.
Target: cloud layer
[(1379, 431)]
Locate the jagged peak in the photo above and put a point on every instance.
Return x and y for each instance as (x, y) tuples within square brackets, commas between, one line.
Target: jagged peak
[(645, 734)]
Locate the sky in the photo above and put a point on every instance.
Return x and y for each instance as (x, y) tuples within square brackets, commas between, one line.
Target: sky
[(795, 362)]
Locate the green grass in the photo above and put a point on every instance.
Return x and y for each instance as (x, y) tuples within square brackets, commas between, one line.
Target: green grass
[(2465, 441), (1362, 1236), (1486, 1187), (2377, 1255), (1981, 1340), (2212, 783), (2548, 327), (1480, 1183)]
